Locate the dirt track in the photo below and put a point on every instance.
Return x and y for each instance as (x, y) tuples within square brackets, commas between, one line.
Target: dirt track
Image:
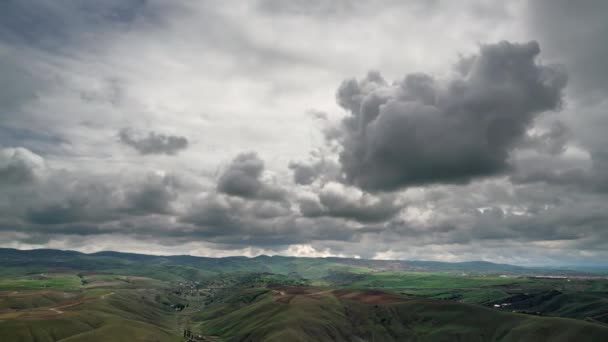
[(286, 295)]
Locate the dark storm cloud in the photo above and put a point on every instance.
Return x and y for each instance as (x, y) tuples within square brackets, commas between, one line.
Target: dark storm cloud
[(153, 143), (421, 130), (242, 178)]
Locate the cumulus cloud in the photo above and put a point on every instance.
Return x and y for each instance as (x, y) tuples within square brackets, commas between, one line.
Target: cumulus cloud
[(243, 178), (305, 173), (221, 212), (421, 130), (153, 196), (153, 143), (65, 198), (37, 194), (337, 200)]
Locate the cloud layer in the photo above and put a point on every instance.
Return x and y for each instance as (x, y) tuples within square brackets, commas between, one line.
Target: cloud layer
[(229, 128)]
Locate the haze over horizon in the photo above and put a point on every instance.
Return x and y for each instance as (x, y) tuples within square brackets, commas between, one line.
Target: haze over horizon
[(427, 130)]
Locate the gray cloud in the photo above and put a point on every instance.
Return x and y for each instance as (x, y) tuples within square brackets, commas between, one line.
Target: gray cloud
[(552, 141), (18, 166), (582, 27), (239, 222), (305, 173), (34, 193), (76, 201), (242, 178), (421, 130), (50, 25), (154, 196), (71, 71), (153, 143), (335, 200)]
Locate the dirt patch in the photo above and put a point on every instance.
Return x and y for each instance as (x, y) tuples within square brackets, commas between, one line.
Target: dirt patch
[(285, 299), (293, 290), (103, 283), (104, 296), (287, 294), (370, 296)]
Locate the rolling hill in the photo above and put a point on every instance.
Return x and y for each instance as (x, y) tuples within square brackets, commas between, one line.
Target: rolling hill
[(53, 295)]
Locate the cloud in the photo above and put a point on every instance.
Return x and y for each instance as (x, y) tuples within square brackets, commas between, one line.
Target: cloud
[(525, 189), (558, 24), (551, 141), (18, 166), (336, 200), (582, 48), (49, 25), (153, 143), (235, 222), (35, 193), (154, 196), (64, 201), (421, 130), (243, 178), (305, 173)]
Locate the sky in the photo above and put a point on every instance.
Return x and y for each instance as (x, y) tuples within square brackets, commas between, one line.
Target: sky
[(431, 130)]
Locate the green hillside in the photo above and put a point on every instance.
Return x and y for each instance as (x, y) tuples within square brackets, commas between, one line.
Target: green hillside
[(310, 314)]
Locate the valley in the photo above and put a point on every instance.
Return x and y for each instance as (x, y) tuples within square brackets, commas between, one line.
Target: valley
[(49, 295)]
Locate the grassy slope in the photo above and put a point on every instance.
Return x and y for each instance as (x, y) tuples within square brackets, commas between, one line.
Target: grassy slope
[(124, 316), (121, 311), (331, 317)]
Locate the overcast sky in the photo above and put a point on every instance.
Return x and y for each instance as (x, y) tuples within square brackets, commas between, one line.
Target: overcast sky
[(437, 130)]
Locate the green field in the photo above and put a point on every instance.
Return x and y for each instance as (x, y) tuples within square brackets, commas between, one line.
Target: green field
[(53, 281)]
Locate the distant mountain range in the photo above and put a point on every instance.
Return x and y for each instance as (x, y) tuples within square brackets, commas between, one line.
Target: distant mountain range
[(306, 267)]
